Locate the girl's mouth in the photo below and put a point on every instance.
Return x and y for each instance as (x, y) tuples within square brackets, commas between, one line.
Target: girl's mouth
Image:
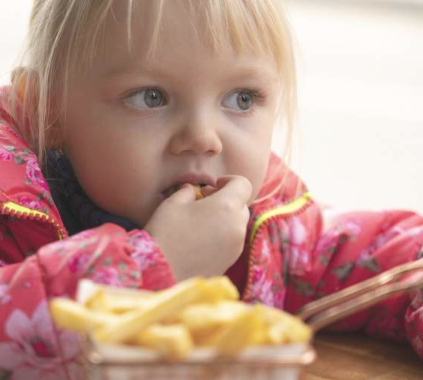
[(173, 189)]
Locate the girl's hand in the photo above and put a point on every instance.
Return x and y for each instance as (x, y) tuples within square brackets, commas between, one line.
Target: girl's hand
[(203, 238)]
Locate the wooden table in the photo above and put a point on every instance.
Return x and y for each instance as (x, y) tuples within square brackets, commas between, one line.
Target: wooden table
[(357, 357)]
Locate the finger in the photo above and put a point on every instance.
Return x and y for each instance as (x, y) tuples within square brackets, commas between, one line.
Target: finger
[(185, 194), (208, 190), (234, 186), (246, 212)]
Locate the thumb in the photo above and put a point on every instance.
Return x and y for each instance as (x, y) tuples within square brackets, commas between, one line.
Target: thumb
[(208, 190), (185, 194)]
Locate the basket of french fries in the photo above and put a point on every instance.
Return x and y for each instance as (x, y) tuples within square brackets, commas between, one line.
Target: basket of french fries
[(197, 329)]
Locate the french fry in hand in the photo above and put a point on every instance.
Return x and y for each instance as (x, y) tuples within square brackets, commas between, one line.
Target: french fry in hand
[(198, 193)]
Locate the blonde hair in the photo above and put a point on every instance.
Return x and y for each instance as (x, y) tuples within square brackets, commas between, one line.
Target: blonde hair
[(65, 35)]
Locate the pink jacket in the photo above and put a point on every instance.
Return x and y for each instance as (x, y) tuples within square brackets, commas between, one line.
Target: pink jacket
[(292, 255)]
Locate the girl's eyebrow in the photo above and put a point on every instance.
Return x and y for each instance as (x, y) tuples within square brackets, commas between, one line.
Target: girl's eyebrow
[(254, 73), (230, 74), (126, 71)]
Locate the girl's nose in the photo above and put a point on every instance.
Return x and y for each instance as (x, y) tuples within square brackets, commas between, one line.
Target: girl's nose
[(196, 138)]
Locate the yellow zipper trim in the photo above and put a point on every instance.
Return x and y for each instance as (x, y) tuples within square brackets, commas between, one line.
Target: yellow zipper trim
[(289, 208), (18, 208), (29, 212)]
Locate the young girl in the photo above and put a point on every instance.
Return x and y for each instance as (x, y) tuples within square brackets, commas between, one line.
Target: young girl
[(118, 108)]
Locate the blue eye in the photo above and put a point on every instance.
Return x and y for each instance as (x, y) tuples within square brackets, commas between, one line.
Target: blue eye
[(147, 98), (239, 100)]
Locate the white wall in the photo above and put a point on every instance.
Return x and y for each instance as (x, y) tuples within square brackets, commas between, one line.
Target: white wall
[(14, 16), (361, 102), (361, 98)]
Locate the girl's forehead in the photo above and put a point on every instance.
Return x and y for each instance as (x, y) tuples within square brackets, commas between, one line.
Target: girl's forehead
[(155, 28), (133, 42), (145, 27), (150, 29)]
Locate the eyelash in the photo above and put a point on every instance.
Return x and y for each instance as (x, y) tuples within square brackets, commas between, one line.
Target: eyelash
[(126, 95), (259, 97)]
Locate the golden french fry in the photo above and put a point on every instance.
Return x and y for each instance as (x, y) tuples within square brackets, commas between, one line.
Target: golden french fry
[(198, 193), (195, 312), (204, 318), (247, 330), (168, 303), (74, 316), (88, 290), (116, 303), (283, 327), (218, 289), (96, 300), (172, 341)]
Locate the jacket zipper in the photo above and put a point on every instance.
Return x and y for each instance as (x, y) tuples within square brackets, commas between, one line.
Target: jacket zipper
[(290, 209), (22, 212)]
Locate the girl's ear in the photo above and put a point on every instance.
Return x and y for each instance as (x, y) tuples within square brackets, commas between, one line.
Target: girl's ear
[(27, 87)]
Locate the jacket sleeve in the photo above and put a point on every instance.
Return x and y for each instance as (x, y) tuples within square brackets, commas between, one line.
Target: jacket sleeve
[(353, 247), (31, 347)]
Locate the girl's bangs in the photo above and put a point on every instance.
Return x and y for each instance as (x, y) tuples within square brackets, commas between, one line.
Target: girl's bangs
[(244, 26)]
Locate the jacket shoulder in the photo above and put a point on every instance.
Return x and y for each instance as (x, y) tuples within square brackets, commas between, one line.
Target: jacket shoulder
[(14, 152), (286, 205), (18, 164), (281, 185), (24, 193)]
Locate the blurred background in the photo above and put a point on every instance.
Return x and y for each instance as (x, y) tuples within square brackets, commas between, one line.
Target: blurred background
[(359, 142)]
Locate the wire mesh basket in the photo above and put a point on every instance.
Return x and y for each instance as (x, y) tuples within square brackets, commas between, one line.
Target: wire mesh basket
[(106, 362)]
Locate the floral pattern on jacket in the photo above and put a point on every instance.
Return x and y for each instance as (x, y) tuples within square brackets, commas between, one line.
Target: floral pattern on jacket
[(292, 259), (33, 350)]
